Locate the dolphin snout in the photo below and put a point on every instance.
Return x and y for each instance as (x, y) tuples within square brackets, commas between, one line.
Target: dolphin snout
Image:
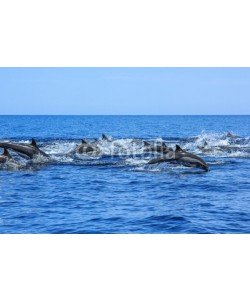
[(205, 167)]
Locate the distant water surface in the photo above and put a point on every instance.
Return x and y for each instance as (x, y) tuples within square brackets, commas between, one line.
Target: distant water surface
[(122, 194)]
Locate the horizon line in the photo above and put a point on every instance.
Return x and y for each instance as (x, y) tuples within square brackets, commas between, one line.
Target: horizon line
[(119, 115)]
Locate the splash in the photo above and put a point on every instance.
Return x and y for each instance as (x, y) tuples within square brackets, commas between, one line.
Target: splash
[(214, 147), (219, 145)]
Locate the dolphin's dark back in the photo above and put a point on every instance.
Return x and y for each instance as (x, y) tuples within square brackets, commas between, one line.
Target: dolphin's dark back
[(189, 158), (26, 150), (84, 147)]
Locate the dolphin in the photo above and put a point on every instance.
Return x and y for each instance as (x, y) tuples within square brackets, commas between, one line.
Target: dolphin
[(183, 157), (160, 160), (205, 147), (222, 148), (85, 147), (189, 159), (31, 150), (230, 135)]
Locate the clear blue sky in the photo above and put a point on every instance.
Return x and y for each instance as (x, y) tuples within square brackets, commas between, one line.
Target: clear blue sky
[(124, 91)]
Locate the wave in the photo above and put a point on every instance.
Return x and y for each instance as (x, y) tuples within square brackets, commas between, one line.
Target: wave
[(220, 145)]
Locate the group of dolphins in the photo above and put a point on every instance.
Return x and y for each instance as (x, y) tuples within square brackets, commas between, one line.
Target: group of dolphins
[(91, 148)]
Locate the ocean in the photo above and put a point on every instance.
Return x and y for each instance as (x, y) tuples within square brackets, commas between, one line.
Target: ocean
[(117, 191)]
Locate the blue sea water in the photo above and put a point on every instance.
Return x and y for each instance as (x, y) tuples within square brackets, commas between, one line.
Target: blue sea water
[(120, 193)]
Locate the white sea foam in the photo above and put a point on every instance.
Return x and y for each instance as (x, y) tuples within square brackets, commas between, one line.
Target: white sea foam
[(219, 144), (121, 147), (13, 165), (59, 147), (40, 159), (136, 161), (131, 151)]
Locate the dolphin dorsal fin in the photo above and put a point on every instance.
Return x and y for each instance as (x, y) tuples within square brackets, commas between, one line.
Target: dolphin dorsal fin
[(84, 142), (178, 148), (230, 135), (33, 143), (6, 153), (146, 143), (104, 137)]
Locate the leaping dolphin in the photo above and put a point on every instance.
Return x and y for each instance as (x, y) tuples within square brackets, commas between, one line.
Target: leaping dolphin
[(189, 159), (31, 150), (183, 157)]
